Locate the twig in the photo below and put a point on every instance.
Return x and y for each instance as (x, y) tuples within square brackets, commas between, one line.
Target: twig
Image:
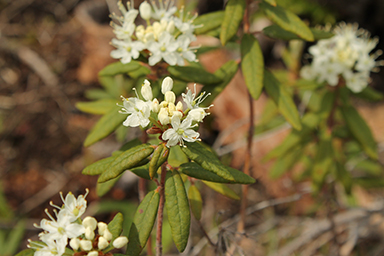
[(159, 246)]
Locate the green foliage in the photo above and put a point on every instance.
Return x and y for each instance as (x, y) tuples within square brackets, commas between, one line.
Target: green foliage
[(193, 74), (10, 242), (208, 22), (158, 158), (143, 223), (252, 65), (274, 31), (176, 203), (116, 226), (222, 189), (195, 201), (233, 16), (119, 68), (99, 107)]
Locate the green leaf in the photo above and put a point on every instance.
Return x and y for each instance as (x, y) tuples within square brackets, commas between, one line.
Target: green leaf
[(125, 161), (196, 171), (233, 16), (282, 99), (274, 31), (195, 201), (323, 161), (99, 107), (105, 126), (368, 93), (14, 238), (208, 22), (285, 162), (176, 203), (226, 73), (98, 167), (271, 2), (360, 130), (116, 225), (252, 65), (105, 187), (97, 94), (208, 160), (222, 189), (177, 157), (27, 252), (158, 158), (142, 171), (369, 167), (370, 182), (142, 225), (119, 68), (287, 20), (193, 74)]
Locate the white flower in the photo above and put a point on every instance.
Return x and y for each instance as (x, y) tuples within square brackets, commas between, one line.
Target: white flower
[(163, 49), (164, 11), (120, 242), (139, 112), (185, 25), (145, 10), (191, 101), (166, 85), (184, 51), (163, 116), (51, 248), (197, 114), (73, 207), (146, 90), (155, 107), (126, 50), (179, 132), (170, 97), (90, 222)]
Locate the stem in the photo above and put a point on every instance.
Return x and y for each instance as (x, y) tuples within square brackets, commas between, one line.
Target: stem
[(206, 235), (159, 246)]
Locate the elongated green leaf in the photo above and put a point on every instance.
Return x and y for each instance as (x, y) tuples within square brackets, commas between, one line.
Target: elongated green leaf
[(271, 2), (142, 225), (369, 182), (222, 189), (252, 65), (119, 68), (158, 158), (193, 74), (105, 187), (233, 16), (195, 201), (142, 171), (116, 225), (282, 99), (105, 126), (323, 161), (360, 130), (14, 238), (98, 167), (285, 162), (127, 160), (368, 93), (97, 94), (196, 171), (176, 203), (274, 31), (27, 252), (226, 73), (370, 167), (208, 160), (208, 22), (287, 20), (177, 157), (99, 107)]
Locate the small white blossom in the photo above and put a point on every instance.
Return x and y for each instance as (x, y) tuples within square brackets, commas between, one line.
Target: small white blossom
[(86, 245), (180, 131), (120, 242), (51, 248), (107, 235), (164, 49), (191, 101), (126, 50), (145, 10), (146, 90), (93, 253), (89, 234), (90, 222), (139, 112), (170, 97), (102, 243), (197, 114), (101, 227), (74, 243), (72, 207), (163, 116), (164, 11), (166, 85)]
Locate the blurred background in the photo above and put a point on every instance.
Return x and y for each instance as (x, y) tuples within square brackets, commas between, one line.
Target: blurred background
[(50, 54)]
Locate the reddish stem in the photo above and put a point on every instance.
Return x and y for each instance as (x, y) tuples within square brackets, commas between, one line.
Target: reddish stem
[(159, 246)]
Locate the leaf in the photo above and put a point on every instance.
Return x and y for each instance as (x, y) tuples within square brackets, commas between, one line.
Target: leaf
[(105, 187), (274, 31), (287, 20), (99, 107), (158, 158), (208, 22), (177, 157), (368, 93), (323, 161), (226, 73), (360, 130), (176, 203), (142, 224), (208, 160), (196, 171), (271, 2), (222, 189), (233, 16), (369, 182), (14, 238), (193, 74), (116, 225), (142, 171), (285, 162), (125, 161), (252, 65), (105, 126), (282, 99), (119, 68), (98, 167), (27, 252), (97, 94), (195, 201)]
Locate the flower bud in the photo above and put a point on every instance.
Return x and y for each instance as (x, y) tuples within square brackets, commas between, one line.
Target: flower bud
[(171, 27), (146, 90), (90, 222), (167, 85), (103, 243), (177, 114), (171, 108), (120, 242), (179, 106), (197, 114), (93, 253), (170, 97), (74, 243), (89, 234), (155, 106), (107, 235), (86, 245), (145, 10), (163, 116), (102, 227), (157, 28)]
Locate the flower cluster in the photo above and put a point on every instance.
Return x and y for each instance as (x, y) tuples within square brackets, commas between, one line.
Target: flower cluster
[(68, 225), (166, 36), (173, 120), (346, 54)]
